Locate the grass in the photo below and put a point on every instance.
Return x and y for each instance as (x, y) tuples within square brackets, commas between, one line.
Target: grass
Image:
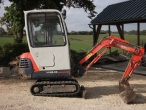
[(83, 42), (4, 40), (80, 45)]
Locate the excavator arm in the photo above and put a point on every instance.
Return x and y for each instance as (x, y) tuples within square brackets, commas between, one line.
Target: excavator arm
[(126, 92)]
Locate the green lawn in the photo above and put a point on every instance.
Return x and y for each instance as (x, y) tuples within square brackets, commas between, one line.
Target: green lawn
[(4, 40), (83, 42)]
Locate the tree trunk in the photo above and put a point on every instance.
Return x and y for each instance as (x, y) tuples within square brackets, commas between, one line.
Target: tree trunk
[(19, 36)]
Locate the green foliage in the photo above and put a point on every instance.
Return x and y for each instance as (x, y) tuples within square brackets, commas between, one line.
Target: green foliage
[(9, 51), (81, 33), (2, 31), (76, 56), (87, 5), (132, 32), (14, 17), (9, 31)]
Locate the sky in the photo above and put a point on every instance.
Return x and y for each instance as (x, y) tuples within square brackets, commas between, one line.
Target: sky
[(77, 19)]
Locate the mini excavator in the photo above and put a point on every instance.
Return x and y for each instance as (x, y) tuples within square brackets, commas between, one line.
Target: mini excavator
[(49, 58)]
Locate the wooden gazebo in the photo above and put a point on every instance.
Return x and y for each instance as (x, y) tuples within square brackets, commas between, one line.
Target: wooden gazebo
[(132, 11)]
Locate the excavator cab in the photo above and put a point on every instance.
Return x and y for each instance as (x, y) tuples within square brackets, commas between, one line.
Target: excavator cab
[(48, 44)]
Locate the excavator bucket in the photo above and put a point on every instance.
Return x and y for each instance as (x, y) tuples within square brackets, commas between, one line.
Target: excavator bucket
[(126, 92)]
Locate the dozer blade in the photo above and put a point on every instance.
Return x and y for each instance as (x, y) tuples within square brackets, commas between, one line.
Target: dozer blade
[(126, 92)]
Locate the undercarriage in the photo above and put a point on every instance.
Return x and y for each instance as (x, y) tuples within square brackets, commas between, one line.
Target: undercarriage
[(58, 88)]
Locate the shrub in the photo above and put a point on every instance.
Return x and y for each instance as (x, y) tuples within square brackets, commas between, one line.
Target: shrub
[(76, 56), (9, 51)]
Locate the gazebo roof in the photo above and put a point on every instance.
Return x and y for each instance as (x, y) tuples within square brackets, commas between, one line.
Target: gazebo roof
[(124, 12)]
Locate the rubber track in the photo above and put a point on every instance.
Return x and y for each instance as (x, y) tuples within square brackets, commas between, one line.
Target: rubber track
[(41, 83)]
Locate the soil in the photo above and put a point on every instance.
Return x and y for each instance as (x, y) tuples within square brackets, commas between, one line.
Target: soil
[(102, 94)]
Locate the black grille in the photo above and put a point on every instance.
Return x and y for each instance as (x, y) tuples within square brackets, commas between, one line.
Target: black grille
[(24, 63)]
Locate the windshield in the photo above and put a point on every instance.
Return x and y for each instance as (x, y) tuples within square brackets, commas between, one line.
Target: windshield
[(45, 29)]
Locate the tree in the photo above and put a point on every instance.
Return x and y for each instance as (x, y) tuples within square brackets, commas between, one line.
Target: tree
[(2, 31), (143, 32), (14, 17)]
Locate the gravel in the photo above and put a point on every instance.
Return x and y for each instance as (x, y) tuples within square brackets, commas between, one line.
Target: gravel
[(102, 94)]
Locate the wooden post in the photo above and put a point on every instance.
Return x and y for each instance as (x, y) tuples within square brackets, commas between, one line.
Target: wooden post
[(123, 29), (123, 35), (138, 33), (109, 30), (98, 31), (120, 31), (94, 34)]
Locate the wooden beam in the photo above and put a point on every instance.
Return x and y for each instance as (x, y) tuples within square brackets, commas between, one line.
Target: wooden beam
[(123, 30), (96, 34), (109, 30), (98, 31), (123, 36), (138, 33), (120, 31)]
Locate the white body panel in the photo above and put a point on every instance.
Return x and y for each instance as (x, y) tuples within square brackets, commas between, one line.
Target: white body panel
[(51, 57)]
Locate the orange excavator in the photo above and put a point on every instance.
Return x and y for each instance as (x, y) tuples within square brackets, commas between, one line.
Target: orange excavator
[(49, 58), (126, 91)]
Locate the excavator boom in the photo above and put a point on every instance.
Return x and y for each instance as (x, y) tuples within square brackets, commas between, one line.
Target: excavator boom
[(126, 92)]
